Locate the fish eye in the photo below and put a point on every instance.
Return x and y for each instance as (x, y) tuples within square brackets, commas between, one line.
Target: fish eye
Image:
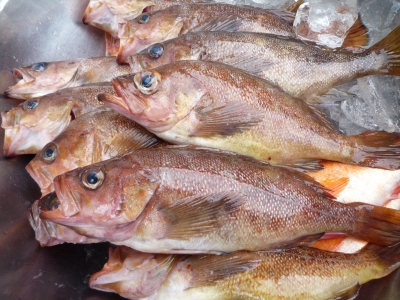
[(143, 18), (30, 104), (49, 152), (155, 51), (39, 66), (147, 82), (92, 178)]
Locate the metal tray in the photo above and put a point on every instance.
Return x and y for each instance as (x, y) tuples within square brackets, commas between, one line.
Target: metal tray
[(50, 30)]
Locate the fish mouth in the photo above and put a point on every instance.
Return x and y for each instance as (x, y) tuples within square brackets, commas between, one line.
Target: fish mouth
[(15, 141), (25, 80), (42, 177), (39, 226)]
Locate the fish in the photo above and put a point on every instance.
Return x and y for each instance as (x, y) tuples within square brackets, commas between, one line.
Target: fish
[(36, 122), (44, 78), (186, 200), (51, 234), (348, 183), (300, 273), (301, 69), (91, 138), (107, 14), (215, 105), (161, 25)]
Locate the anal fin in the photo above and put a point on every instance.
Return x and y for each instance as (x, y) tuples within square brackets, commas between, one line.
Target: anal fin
[(348, 293)]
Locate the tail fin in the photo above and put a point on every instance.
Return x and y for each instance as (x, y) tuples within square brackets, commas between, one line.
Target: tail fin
[(357, 35), (378, 149), (391, 45), (389, 256), (376, 224)]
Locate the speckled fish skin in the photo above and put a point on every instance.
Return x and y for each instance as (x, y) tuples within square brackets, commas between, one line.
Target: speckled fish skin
[(107, 14), (51, 234), (36, 122), (185, 200), (349, 183), (295, 274), (48, 77), (302, 70), (173, 21), (214, 105), (91, 138)]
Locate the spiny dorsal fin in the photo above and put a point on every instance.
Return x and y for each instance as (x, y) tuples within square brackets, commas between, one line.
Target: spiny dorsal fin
[(222, 23), (199, 215)]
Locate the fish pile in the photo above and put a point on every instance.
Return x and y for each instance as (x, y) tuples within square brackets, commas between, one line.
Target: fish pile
[(204, 160)]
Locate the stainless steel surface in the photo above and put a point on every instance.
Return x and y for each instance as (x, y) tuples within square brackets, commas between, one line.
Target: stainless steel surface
[(48, 30)]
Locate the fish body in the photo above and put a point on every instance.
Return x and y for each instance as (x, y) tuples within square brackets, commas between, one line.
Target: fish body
[(350, 183), (91, 138), (184, 200), (36, 122), (300, 273), (48, 77), (107, 14), (161, 25), (302, 70), (214, 105)]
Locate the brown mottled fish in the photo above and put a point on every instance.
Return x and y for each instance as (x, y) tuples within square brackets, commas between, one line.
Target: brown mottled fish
[(150, 28), (214, 105), (48, 77), (91, 138), (199, 200), (292, 274), (302, 70), (36, 122)]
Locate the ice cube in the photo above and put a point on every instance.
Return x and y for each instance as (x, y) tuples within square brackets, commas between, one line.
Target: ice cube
[(325, 22)]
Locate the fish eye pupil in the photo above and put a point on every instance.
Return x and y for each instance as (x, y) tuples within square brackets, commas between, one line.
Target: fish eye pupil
[(147, 80), (92, 178), (31, 104), (49, 152), (144, 18), (156, 51), (39, 66)]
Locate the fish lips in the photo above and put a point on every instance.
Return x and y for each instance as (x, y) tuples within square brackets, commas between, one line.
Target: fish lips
[(42, 177), (17, 90)]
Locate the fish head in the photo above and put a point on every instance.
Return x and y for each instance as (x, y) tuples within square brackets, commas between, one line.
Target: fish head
[(35, 122), (132, 274), (98, 14), (145, 30), (70, 150), (105, 194), (157, 99), (43, 78), (160, 54), (128, 9)]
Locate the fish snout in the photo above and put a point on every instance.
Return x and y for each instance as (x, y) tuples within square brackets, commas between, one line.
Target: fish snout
[(42, 177)]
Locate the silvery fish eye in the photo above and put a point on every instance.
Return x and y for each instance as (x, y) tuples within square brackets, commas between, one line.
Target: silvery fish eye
[(30, 104), (92, 178), (155, 51), (143, 18), (49, 153), (39, 66), (147, 82)]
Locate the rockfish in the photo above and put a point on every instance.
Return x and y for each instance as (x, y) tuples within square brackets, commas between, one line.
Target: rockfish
[(36, 122), (91, 138), (302, 70), (188, 200), (300, 273), (47, 77), (150, 28), (214, 105)]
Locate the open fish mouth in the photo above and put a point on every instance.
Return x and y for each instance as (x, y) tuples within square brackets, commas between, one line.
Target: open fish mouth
[(24, 80), (42, 177)]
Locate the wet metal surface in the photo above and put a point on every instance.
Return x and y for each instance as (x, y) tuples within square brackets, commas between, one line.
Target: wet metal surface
[(49, 30)]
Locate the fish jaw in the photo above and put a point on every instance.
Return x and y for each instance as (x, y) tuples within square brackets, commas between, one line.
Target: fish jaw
[(138, 38), (33, 83), (128, 10), (42, 177)]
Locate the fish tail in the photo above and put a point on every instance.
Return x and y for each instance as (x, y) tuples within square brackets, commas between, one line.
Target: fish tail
[(376, 224), (377, 149), (391, 46), (388, 256)]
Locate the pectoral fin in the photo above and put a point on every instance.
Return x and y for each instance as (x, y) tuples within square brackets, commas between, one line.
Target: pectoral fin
[(211, 268), (197, 216), (336, 185), (224, 119), (348, 293)]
